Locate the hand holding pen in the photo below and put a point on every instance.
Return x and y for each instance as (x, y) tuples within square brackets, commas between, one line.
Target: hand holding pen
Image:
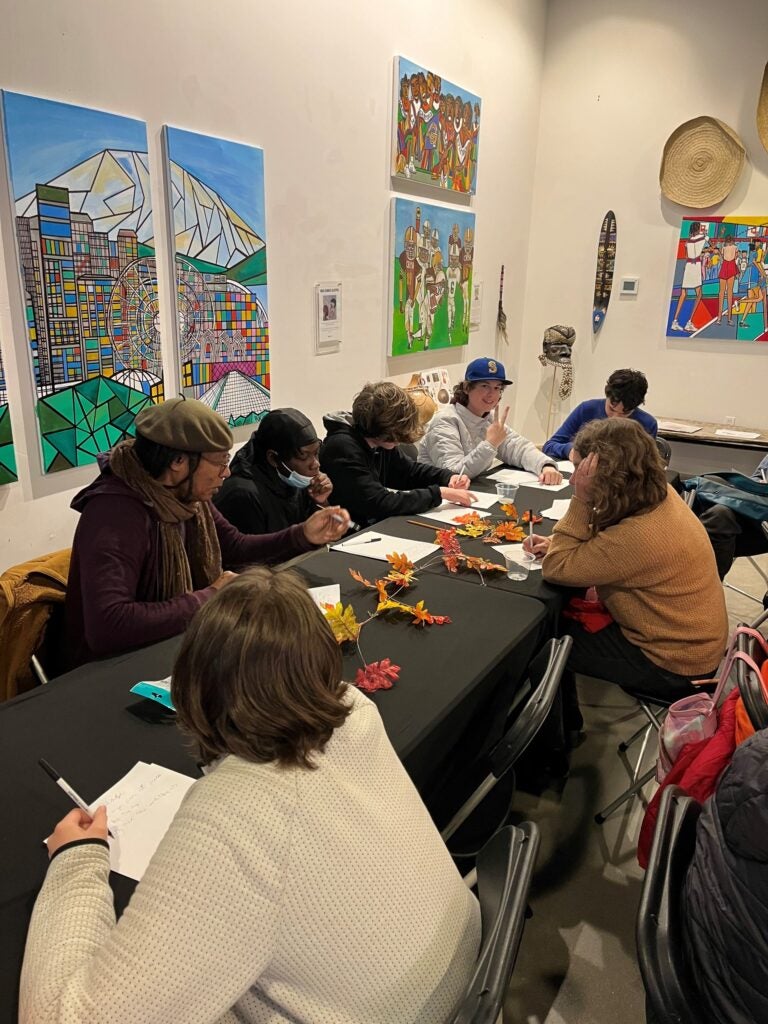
[(82, 820)]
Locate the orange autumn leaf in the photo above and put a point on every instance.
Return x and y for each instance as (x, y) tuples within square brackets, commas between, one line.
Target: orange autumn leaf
[(446, 539), (361, 579), (342, 621), (505, 531), (381, 590), (451, 562), (475, 562), (467, 517), (422, 616), (378, 675), (400, 563), (388, 605), (509, 510), (536, 517)]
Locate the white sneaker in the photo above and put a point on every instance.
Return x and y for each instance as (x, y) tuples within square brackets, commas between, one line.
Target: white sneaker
[(676, 325), (690, 327)]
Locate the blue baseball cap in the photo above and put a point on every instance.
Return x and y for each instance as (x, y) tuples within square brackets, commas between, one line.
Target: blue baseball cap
[(486, 369)]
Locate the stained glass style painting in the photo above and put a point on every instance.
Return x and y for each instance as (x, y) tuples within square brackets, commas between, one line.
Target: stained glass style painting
[(7, 454), (217, 206), (432, 253), (80, 181), (437, 130), (719, 285)]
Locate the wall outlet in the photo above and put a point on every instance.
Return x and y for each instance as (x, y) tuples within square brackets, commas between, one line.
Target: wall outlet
[(730, 420)]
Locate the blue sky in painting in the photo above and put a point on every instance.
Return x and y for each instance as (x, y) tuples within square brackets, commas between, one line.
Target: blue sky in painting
[(407, 67), (441, 217), (46, 138), (233, 169)]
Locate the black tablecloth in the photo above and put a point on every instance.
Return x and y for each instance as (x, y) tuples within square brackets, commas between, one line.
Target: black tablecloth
[(80, 722)]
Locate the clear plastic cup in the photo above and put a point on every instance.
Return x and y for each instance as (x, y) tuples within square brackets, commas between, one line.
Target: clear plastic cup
[(518, 566), (506, 491)]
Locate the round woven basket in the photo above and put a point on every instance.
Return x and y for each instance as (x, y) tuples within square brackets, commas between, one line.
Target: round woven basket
[(702, 161), (762, 110)]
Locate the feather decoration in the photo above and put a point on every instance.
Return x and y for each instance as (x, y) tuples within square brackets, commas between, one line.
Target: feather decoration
[(501, 316)]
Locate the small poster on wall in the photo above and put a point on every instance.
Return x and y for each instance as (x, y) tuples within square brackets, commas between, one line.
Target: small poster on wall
[(719, 284), (437, 130), (432, 249)]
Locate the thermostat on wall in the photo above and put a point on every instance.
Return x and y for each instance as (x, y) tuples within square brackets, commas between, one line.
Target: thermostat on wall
[(629, 287)]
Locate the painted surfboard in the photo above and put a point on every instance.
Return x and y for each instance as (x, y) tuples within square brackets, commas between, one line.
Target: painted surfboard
[(606, 257)]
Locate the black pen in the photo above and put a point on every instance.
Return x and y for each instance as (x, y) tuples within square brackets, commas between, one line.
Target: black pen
[(76, 799), (368, 540)]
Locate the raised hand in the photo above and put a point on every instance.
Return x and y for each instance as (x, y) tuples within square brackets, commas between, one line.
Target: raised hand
[(497, 428)]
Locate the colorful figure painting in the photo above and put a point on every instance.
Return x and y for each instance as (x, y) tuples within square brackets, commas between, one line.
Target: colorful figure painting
[(7, 454), (80, 181), (719, 288), (437, 127), (432, 252), (217, 205)]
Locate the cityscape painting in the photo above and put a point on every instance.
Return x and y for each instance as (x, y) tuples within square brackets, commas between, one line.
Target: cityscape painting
[(719, 284), (80, 182), (7, 454), (216, 202), (431, 260), (437, 130)]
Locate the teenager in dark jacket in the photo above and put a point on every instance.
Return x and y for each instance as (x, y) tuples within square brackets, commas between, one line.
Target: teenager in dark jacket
[(372, 478), (725, 900), (150, 548), (276, 480)]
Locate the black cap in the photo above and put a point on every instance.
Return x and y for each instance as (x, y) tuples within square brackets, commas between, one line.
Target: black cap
[(284, 431)]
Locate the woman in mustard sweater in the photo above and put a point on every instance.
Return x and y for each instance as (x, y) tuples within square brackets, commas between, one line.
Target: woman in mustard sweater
[(629, 534)]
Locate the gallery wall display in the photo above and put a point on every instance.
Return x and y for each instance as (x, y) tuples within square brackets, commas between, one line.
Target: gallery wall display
[(437, 130), (217, 207), (80, 181), (719, 285), (7, 454), (432, 249)]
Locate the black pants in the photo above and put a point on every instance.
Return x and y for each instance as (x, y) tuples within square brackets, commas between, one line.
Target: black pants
[(732, 536)]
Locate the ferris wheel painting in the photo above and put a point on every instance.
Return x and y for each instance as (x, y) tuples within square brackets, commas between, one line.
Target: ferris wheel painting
[(81, 186), (216, 204)]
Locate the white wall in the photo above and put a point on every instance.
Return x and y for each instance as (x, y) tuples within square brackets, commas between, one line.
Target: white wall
[(311, 84), (619, 76)]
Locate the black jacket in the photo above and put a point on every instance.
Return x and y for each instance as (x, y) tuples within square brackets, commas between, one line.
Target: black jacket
[(361, 475), (726, 891), (255, 499)]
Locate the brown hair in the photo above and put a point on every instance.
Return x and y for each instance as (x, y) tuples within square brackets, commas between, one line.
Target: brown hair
[(462, 389), (259, 673), (387, 412), (630, 476)]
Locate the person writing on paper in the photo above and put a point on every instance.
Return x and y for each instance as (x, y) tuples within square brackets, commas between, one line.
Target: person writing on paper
[(372, 477), (474, 431), (625, 392), (150, 547), (239, 915), (630, 535), (275, 479)]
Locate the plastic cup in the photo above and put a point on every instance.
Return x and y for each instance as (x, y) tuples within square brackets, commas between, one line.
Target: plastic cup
[(518, 566), (506, 491)]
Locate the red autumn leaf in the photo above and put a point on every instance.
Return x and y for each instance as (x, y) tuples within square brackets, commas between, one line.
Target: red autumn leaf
[(451, 562), (378, 675), (448, 541), (361, 579), (527, 517), (422, 616)]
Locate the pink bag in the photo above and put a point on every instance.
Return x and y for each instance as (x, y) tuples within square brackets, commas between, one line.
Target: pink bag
[(694, 718)]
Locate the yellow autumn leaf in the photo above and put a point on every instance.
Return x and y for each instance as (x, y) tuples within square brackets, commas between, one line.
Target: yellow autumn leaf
[(342, 621)]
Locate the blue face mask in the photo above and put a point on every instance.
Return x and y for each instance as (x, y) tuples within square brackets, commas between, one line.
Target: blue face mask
[(295, 479)]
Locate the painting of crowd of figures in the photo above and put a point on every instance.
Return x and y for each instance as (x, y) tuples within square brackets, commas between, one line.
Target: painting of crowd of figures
[(432, 249), (216, 202), (437, 130), (719, 283)]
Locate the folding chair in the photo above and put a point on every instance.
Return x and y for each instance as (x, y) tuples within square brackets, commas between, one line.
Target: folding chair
[(671, 993), (504, 870), (544, 674)]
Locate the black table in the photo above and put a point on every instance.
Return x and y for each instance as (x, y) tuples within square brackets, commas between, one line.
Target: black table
[(82, 724)]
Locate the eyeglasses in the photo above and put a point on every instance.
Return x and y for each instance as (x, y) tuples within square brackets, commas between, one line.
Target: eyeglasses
[(221, 464)]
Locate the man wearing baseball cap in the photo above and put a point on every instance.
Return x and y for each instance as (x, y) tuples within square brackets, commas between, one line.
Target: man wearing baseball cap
[(474, 432), (150, 548)]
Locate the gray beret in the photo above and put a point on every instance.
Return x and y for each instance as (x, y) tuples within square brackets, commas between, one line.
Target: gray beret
[(185, 425)]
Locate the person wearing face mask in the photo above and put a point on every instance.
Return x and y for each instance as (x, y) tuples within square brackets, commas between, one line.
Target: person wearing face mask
[(474, 431), (150, 547), (276, 480)]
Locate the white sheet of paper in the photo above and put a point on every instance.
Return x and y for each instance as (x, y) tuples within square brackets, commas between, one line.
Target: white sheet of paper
[(682, 428), (748, 435), (484, 500), (450, 513), (565, 466), (523, 479), (379, 545), (140, 807), (516, 551), (326, 595), (557, 509)]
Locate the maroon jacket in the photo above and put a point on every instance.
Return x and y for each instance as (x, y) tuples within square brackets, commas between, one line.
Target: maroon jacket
[(116, 560)]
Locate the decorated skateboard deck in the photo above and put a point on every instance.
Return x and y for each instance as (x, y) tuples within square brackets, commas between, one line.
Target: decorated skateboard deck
[(606, 257)]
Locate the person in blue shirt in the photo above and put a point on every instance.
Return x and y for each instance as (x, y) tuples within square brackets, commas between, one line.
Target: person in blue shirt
[(625, 392)]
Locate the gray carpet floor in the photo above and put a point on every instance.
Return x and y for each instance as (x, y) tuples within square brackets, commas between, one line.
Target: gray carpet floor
[(577, 960)]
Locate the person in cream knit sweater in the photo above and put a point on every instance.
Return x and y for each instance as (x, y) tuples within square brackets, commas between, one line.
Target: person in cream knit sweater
[(627, 533), (302, 878)]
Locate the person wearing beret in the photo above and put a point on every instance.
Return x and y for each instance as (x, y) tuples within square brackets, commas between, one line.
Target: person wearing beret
[(474, 432), (275, 478), (150, 547)]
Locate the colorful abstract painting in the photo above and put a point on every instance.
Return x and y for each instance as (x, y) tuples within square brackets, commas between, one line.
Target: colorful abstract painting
[(719, 287), (7, 455), (80, 181), (217, 206), (437, 130), (431, 259)]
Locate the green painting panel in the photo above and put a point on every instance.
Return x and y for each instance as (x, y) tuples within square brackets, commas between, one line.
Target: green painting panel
[(5, 426), (102, 414), (114, 434), (101, 439), (50, 419), (7, 467), (124, 422), (88, 446), (49, 454), (90, 389), (63, 403), (58, 463), (65, 444)]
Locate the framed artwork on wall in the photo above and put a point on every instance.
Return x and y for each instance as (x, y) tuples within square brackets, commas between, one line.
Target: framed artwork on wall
[(216, 202), (7, 455), (431, 253), (437, 130), (80, 182), (719, 283)]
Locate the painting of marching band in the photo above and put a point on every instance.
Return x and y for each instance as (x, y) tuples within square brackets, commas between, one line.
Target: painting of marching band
[(432, 252), (437, 130)]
